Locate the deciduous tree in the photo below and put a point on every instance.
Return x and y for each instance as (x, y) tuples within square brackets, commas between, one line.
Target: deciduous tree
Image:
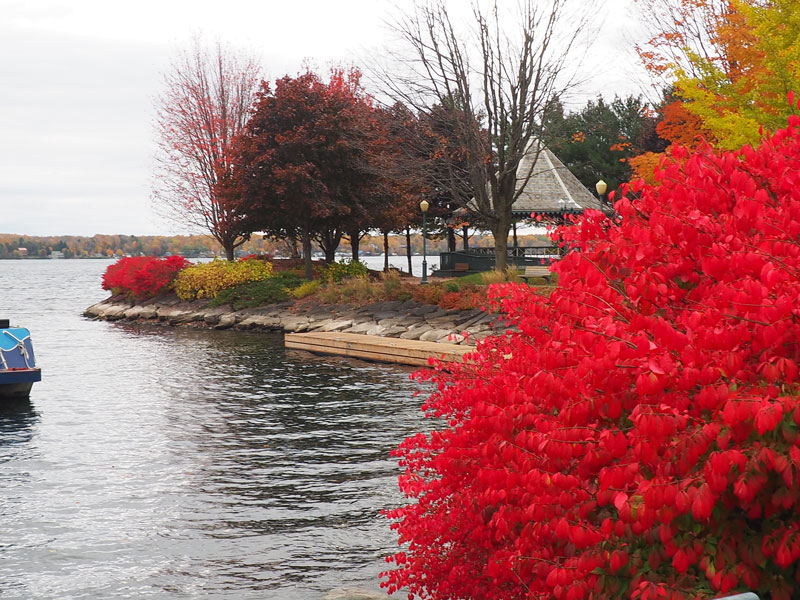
[(675, 125), (519, 69), (301, 162), (205, 104), (732, 62)]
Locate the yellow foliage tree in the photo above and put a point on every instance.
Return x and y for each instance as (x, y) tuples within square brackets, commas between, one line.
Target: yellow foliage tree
[(733, 61)]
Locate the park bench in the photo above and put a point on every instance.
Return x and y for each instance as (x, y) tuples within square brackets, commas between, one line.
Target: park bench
[(535, 271), (460, 267)]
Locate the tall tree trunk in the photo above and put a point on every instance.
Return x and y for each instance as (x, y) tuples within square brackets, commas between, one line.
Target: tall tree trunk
[(451, 240), (355, 242), (228, 247), (306, 235), (465, 233), (408, 250), (293, 249), (385, 251), (329, 242), (500, 232)]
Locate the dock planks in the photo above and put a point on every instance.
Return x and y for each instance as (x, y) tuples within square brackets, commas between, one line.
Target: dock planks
[(372, 347)]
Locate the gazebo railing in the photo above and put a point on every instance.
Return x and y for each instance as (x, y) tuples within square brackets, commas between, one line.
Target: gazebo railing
[(518, 251), (482, 259)]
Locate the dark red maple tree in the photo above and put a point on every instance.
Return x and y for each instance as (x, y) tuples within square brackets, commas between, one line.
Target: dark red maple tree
[(302, 162), (639, 436)]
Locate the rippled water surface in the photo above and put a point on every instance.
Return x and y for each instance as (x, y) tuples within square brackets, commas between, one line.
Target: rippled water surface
[(157, 462)]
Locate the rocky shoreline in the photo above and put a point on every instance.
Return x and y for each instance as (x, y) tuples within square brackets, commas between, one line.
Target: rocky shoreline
[(400, 319)]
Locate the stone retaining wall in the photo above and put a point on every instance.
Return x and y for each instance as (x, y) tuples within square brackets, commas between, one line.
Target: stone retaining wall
[(408, 319)]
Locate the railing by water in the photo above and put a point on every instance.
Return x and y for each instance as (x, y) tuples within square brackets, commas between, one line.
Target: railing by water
[(482, 259)]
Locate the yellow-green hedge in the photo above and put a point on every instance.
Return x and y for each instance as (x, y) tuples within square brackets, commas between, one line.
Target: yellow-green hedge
[(206, 280), (305, 289)]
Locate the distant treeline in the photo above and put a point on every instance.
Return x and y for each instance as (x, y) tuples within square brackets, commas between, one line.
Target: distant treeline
[(195, 246)]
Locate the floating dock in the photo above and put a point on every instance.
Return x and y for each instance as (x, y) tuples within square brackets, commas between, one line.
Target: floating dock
[(373, 347)]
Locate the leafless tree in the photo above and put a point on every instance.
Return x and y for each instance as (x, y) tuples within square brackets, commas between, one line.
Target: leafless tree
[(205, 104), (498, 78)]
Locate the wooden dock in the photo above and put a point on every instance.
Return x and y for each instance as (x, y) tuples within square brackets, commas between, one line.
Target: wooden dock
[(373, 347)]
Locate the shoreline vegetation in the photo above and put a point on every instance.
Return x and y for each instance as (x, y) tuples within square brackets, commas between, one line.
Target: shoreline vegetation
[(259, 294)]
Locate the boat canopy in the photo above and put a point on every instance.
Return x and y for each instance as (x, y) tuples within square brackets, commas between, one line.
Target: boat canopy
[(16, 349)]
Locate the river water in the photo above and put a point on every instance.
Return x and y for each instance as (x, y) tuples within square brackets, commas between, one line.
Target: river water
[(156, 462)]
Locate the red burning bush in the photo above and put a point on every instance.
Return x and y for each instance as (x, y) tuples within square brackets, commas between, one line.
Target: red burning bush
[(143, 276), (640, 436)]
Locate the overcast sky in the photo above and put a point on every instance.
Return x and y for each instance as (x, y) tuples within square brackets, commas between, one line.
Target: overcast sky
[(78, 79)]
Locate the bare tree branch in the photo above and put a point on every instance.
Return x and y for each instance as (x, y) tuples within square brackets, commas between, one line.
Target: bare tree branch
[(205, 104), (498, 80)]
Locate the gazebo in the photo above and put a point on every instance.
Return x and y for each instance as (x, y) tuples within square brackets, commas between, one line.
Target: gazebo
[(553, 192)]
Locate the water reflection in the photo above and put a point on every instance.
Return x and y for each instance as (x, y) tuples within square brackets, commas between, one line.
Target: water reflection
[(157, 462), (295, 468), (17, 421)]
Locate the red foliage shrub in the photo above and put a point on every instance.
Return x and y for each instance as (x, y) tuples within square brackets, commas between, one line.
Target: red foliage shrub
[(639, 437), (143, 276), (427, 294), (463, 299)]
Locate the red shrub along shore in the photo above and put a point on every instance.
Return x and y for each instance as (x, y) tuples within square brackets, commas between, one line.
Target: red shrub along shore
[(143, 276), (639, 437)]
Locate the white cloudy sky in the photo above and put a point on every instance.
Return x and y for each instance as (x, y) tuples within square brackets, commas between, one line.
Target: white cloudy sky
[(78, 78)]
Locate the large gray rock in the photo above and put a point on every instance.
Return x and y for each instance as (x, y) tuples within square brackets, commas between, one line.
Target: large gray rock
[(476, 318), (377, 330), (259, 322), (114, 312), (414, 333), (134, 312), (362, 327), (226, 321), (453, 338), (295, 323), (384, 316), (186, 316), (434, 335), (394, 331), (337, 325), (212, 315)]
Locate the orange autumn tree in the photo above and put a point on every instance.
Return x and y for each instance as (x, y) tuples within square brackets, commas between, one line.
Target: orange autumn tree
[(678, 126), (731, 62)]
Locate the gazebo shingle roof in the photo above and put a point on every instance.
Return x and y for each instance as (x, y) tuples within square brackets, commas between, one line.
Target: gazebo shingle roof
[(552, 188)]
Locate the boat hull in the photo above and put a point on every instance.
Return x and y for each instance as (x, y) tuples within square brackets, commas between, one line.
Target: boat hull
[(17, 384)]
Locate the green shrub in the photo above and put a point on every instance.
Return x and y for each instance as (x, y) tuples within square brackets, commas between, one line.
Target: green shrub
[(206, 280), (338, 271), (255, 293), (450, 286)]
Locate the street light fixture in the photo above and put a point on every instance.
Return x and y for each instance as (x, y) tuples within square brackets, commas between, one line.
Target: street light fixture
[(423, 206), (601, 187)]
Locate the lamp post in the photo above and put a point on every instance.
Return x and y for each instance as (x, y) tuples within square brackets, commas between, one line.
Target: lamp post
[(601, 187), (423, 206)]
